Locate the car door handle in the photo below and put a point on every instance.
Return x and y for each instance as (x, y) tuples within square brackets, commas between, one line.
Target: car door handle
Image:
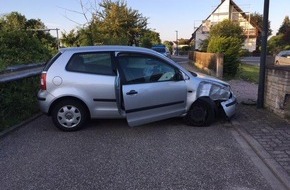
[(132, 92)]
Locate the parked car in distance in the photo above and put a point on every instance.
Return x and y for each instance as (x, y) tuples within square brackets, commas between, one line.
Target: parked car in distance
[(283, 58), (134, 83), (162, 49)]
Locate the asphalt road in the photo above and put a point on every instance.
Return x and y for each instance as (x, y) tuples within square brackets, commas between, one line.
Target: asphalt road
[(251, 60), (108, 154)]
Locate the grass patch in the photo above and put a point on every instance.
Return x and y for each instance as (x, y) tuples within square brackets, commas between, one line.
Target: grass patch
[(249, 73), (245, 72)]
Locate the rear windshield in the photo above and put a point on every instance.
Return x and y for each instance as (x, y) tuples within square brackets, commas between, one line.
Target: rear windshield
[(51, 61)]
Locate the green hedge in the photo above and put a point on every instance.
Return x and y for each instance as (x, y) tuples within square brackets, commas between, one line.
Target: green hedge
[(17, 47), (230, 47), (18, 101)]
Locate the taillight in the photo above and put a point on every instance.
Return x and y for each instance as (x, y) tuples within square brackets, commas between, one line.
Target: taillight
[(43, 81)]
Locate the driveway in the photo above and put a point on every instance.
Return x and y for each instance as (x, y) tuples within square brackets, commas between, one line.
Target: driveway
[(108, 154)]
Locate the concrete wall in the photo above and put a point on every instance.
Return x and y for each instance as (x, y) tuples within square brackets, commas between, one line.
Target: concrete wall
[(277, 90)]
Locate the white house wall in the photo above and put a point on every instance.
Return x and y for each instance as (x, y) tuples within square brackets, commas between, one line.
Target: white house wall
[(221, 13), (249, 29), (226, 11)]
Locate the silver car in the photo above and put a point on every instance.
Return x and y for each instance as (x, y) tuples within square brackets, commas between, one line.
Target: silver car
[(283, 58), (137, 84)]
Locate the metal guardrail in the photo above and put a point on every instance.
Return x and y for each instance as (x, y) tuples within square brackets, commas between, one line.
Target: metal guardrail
[(18, 88), (20, 72)]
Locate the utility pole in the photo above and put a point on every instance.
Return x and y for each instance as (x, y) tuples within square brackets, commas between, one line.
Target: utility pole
[(261, 88)]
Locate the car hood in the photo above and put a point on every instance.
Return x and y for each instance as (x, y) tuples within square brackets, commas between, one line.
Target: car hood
[(208, 78)]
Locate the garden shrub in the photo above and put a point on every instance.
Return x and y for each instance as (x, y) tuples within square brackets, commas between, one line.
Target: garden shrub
[(230, 47)]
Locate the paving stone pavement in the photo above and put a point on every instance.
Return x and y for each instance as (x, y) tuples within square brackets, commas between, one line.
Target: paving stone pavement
[(267, 134)]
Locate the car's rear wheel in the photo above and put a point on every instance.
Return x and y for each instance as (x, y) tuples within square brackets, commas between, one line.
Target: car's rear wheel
[(201, 113), (69, 115)]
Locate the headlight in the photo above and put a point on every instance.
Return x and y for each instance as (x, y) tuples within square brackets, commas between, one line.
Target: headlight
[(214, 91)]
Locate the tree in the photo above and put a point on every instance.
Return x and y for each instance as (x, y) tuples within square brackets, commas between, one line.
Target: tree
[(169, 45), (285, 27), (21, 43), (182, 41), (70, 39), (204, 45), (285, 31), (111, 22), (117, 21), (275, 44), (13, 21), (34, 24), (17, 47), (227, 28), (150, 38), (282, 39), (257, 20), (230, 47), (227, 37), (37, 29)]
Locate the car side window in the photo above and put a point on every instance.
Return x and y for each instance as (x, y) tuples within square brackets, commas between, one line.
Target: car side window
[(94, 63), (145, 69)]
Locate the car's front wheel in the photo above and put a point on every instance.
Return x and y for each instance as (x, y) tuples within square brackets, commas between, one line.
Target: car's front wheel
[(201, 113), (69, 115)]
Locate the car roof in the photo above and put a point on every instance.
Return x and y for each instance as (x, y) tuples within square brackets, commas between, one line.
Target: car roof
[(107, 48), (117, 48)]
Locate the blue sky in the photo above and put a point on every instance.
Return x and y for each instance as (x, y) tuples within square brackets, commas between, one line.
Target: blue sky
[(165, 16)]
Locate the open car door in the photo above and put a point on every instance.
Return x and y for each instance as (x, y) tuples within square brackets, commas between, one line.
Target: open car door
[(151, 89)]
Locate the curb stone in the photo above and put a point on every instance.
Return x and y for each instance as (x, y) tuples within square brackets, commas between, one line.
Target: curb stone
[(16, 127), (275, 167)]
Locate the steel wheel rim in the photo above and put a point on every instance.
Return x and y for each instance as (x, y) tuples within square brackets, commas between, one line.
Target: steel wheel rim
[(69, 116)]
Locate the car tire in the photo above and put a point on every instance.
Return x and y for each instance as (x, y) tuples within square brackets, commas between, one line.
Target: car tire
[(201, 113), (69, 115)]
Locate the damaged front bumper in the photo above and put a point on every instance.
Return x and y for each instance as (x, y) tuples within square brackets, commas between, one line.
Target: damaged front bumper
[(220, 92), (229, 106)]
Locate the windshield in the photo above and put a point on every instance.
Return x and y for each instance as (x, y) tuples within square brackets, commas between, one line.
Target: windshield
[(159, 49)]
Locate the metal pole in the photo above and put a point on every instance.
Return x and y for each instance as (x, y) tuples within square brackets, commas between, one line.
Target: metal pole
[(57, 38), (261, 88), (176, 42)]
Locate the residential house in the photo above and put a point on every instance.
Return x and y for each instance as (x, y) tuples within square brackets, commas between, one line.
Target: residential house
[(228, 9)]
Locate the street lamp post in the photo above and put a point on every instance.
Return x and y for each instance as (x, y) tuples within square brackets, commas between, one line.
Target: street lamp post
[(261, 87), (177, 43)]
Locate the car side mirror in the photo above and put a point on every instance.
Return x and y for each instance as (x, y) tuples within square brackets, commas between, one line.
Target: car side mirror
[(179, 76)]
